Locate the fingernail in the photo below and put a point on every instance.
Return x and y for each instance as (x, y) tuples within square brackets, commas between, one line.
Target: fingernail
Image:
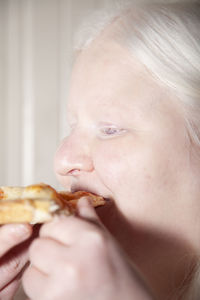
[(19, 229)]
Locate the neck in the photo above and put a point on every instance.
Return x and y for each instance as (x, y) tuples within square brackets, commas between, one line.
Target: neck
[(165, 262)]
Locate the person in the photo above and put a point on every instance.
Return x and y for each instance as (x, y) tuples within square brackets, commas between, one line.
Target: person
[(133, 110)]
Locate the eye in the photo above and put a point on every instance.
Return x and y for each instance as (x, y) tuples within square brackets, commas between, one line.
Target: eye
[(111, 131)]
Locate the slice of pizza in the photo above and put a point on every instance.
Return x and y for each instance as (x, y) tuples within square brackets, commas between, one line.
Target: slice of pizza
[(39, 203)]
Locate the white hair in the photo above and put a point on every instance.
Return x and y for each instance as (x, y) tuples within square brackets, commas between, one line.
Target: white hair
[(165, 38)]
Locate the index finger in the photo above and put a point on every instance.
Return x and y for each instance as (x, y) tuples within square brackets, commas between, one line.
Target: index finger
[(12, 235)]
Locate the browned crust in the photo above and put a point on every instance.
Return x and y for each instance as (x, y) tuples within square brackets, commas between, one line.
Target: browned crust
[(39, 203), (71, 199)]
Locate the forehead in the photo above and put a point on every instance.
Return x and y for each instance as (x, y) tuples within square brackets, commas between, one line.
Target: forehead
[(106, 75)]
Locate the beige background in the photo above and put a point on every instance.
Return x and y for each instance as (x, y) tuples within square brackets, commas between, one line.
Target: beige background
[(35, 55)]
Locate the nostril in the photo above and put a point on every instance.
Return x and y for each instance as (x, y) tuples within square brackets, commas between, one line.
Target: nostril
[(74, 172)]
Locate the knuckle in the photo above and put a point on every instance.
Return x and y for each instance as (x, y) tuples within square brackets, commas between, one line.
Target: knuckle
[(72, 272), (56, 225), (95, 237)]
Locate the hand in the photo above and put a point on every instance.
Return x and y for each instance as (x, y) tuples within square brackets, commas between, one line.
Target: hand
[(75, 258), (13, 257)]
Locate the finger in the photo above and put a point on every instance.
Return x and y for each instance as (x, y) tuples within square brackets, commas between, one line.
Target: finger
[(45, 253), (13, 234), (68, 230), (34, 283), (10, 289), (13, 263), (87, 211)]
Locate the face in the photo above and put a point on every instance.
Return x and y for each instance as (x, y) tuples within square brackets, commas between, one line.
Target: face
[(127, 140)]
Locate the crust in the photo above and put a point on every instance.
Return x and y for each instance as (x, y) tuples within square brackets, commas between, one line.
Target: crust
[(39, 203), (71, 199)]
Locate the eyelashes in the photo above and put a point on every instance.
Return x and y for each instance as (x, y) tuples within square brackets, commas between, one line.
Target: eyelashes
[(101, 130), (111, 131)]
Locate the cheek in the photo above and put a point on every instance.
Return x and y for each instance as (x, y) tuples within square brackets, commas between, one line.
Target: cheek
[(137, 176), (121, 168)]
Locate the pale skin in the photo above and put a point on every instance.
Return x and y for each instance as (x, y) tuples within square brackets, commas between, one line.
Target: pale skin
[(13, 257), (128, 142)]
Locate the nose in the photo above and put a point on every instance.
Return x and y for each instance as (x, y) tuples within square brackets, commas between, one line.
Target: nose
[(72, 157)]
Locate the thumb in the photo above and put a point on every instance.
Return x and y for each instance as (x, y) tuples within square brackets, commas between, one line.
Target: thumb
[(86, 210), (12, 235)]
